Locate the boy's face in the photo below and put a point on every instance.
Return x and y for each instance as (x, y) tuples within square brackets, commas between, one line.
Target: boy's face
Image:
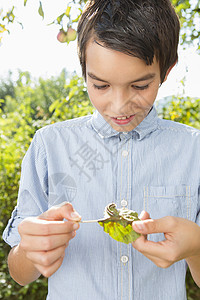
[(121, 87)]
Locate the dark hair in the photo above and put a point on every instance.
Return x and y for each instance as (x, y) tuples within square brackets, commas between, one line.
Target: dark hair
[(141, 28)]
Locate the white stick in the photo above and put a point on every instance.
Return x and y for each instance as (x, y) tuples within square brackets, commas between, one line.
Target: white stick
[(89, 221)]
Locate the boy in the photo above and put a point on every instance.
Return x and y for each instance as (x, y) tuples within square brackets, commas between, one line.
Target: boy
[(122, 154)]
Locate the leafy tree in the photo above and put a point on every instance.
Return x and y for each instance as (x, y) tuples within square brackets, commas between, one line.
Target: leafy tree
[(7, 89), (189, 13), (181, 109), (42, 92), (5, 19)]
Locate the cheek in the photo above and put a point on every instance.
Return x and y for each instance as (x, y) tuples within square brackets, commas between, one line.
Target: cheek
[(91, 94), (94, 98), (150, 96), (143, 100)]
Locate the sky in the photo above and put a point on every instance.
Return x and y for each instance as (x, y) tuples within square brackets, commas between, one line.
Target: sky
[(35, 49)]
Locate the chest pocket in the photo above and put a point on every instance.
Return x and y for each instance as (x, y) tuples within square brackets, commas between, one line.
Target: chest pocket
[(178, 201)]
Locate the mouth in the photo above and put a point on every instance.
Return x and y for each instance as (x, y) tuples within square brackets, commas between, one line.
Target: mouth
[(123, 120)]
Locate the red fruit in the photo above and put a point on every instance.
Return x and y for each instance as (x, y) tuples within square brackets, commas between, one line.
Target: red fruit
[(66, 37), (62, 36)]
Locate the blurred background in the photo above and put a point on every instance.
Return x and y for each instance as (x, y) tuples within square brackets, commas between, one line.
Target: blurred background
[(41, 83)]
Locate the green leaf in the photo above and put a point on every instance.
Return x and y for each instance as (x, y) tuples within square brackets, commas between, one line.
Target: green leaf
[(68, 11), (77, 19), (40, 10), (53, 22), (118, 224), (25, 1), (59, 18), (53, 106)]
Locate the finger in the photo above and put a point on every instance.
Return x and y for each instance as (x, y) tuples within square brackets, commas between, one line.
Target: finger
[(159, 262), (64, 210), (163, 225), (144, 215), (37, 226), (46, 258), (45, 243), (162, 250), (50, 270)]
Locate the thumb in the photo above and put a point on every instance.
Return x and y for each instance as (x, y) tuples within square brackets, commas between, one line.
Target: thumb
[(63, 211), (144, 215), (153, 226)]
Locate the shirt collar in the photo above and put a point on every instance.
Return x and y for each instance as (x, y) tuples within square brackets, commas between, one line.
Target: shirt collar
[(104, 130)]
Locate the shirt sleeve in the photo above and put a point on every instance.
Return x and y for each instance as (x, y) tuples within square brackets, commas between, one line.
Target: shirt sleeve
[(33, 191)]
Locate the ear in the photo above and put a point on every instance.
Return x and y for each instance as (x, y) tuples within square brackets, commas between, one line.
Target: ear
[(168, 71)]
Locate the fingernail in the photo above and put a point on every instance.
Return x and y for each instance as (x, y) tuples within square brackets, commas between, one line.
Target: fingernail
[(139, 226), (75, 226), (142, 213), (75, 215)]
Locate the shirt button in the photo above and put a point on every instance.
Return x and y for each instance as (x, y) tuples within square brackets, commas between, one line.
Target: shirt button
[(124, 259), (124, 153), (124, 202)]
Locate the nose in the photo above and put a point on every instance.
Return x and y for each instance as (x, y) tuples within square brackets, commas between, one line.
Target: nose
[(120, 102)]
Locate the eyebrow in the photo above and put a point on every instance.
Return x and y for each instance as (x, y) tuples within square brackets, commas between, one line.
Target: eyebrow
[(145, 77)]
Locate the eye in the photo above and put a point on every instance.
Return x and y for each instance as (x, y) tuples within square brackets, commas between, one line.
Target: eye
[(100, 87), (143, 87)]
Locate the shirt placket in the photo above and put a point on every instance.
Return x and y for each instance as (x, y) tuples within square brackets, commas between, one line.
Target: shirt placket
[(123, 199)]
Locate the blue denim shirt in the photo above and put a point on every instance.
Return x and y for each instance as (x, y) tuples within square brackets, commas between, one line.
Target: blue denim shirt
[(155, 167)]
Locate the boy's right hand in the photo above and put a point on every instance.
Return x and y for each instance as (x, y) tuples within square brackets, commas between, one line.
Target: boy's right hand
[(45, 238)]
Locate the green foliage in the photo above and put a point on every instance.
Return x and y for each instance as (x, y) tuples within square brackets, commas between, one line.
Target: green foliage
[(183, 110), (189, 13), (193, 291), (69, 108), (5, 19), (7, 89)]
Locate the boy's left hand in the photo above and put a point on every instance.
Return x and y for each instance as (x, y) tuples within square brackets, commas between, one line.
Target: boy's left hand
[(182, 239)]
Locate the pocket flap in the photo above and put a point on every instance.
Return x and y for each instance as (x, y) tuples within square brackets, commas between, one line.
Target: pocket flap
[(170, 191)]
